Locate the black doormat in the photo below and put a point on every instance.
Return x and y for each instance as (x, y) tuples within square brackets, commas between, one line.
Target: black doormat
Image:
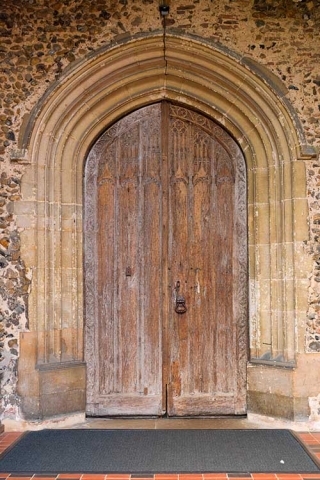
[(157, 451)]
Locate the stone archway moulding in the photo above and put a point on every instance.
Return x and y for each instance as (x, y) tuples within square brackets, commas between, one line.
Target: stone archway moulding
[(87, 99)]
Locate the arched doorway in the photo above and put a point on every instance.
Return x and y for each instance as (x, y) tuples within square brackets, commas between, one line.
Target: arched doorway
[(165, 267), (62, 128)]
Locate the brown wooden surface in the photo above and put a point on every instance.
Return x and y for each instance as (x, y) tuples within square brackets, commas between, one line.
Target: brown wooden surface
[(165, 202)]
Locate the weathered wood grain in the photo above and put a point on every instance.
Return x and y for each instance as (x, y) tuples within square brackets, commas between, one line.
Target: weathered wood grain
[(166, 189)]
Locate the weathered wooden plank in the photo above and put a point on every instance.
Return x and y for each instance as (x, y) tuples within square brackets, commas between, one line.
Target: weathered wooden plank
[(200, 404), (106, 254), (121, 404), (166, 268), (150, 255), (179, 144)]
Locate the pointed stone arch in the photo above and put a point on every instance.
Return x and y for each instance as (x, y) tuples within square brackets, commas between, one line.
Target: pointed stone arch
[(235, 92)]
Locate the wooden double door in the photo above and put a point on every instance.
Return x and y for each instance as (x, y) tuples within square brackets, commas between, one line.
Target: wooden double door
[(165, 267)]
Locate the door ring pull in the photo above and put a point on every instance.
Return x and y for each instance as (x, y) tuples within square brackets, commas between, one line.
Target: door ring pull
[(180, 300)]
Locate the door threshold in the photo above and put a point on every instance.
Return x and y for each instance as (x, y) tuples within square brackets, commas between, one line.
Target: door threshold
[(123, 417), (165, 417)]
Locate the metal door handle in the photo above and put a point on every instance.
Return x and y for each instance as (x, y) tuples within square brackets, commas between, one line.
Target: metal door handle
[(180, 300)]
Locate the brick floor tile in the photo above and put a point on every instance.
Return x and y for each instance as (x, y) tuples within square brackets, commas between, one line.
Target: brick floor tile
[(17, 477), (220, 475), (93, 476), (142, 477), (190, 476), (263, 476), (288, 476), (214, 476), (116, 476), (166, 475), (123, 476), (239, 477), (44, 477), (73, 476)]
